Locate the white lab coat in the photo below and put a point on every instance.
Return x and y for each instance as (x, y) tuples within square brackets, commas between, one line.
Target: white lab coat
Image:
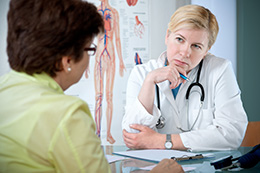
[(222, 123)]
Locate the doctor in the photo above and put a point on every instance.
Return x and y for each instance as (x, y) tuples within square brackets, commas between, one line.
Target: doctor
[(204, 113)]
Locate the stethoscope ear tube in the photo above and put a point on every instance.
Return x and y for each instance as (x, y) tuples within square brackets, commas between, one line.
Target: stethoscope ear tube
[(201, 88), (158, 97), (197, 84)]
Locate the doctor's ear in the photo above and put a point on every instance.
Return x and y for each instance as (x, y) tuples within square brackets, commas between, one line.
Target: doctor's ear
[(168, 32)]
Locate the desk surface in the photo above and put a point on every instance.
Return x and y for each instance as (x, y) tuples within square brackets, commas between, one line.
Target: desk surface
[(202, 165)]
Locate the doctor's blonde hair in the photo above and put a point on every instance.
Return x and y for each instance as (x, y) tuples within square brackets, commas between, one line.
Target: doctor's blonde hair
[(195, 17)]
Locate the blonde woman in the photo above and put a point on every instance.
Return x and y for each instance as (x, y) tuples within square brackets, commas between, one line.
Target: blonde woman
[(187, 98)]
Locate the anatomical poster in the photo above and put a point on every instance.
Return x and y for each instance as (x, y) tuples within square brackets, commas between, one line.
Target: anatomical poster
[(124, 43)]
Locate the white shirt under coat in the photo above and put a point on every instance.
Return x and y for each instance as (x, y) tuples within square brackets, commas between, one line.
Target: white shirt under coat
[(222, 122)]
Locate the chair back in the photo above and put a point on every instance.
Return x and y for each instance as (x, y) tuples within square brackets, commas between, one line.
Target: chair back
[(252, 136)]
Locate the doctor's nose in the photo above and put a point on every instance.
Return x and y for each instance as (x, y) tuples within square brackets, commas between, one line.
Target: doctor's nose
[(185, 50)]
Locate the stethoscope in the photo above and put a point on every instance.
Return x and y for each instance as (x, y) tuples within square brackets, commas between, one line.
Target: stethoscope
[(161, 121)]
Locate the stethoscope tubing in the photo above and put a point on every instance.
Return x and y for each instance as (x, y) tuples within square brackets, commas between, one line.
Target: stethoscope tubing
[(161, 121)]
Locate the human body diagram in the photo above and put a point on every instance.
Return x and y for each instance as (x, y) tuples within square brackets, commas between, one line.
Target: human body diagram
[(105, 65)]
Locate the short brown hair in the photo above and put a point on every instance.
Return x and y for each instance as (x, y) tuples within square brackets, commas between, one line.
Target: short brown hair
[(40, 32), (195, 17)]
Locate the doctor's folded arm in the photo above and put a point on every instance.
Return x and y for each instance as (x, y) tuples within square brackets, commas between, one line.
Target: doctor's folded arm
[(200, 111)]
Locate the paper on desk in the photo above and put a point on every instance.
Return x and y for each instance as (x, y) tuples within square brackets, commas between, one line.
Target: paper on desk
[(154, 155), (112, 158), (185, 168)]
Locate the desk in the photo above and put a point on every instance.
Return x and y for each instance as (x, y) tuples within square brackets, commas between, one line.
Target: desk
[(202, 165)]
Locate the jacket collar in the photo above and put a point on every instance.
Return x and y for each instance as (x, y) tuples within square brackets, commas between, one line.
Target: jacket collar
[(42, 78)]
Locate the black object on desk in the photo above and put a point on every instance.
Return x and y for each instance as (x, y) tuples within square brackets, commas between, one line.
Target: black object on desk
[(248, 160)]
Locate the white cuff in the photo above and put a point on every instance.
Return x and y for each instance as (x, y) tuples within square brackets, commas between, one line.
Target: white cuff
[(137, 114)]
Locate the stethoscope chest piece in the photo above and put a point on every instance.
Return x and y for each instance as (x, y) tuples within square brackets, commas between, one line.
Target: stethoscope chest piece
[(160, 123)]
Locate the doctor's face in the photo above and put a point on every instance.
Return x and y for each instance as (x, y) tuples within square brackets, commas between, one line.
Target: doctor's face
[(186, 47)]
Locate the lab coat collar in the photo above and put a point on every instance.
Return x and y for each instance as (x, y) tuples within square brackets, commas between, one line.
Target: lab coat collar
[(162, 59)]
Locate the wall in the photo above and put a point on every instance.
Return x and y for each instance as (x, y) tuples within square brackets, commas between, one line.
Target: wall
[(248, 55), (4, 6)]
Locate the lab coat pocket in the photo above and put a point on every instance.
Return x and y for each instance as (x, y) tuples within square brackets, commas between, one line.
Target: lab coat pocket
[(204, 118)]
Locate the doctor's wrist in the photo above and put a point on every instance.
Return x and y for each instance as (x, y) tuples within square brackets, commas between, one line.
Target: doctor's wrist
[(159, 141), (149, 79), (177, 142)]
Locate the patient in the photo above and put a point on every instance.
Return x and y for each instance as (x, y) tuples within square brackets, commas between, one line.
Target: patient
[(42, 130)]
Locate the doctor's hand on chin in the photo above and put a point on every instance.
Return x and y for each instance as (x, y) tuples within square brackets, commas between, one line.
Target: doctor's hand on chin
[(147, 138)]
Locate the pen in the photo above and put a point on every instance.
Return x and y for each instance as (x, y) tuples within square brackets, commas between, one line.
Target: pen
[(184, 77), (198, 156)]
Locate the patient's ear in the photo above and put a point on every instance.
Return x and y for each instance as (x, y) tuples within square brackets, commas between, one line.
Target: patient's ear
[(66, 64)]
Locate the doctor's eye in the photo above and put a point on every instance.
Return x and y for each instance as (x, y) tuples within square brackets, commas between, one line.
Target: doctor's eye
[(179, 39), (196, 46)]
